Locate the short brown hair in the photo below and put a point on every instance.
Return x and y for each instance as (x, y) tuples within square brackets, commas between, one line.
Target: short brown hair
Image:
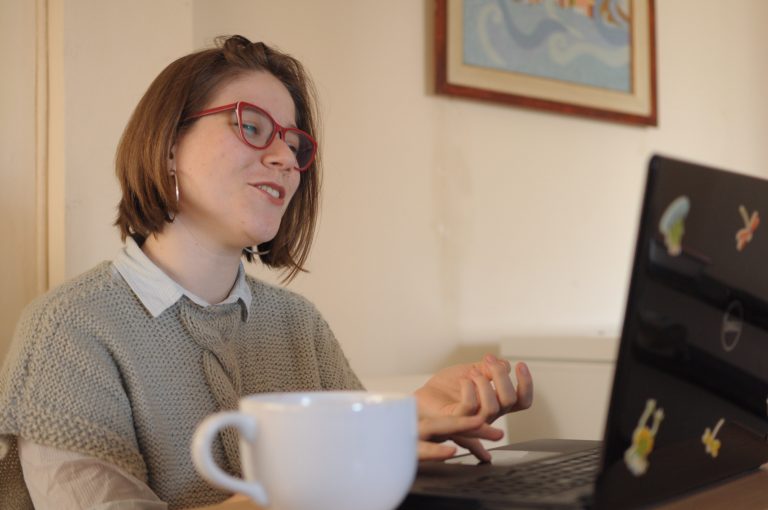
[(183, 88)]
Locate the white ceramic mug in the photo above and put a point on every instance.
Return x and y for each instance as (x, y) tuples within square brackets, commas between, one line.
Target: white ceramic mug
[(340, 450)]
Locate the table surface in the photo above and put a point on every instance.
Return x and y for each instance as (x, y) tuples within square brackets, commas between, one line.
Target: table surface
[(746, 493)]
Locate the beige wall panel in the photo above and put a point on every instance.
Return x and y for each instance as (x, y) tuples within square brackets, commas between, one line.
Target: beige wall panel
[(18, 277), (112, 50)]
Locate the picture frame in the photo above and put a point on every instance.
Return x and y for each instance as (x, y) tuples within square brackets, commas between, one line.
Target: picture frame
[(485, 50)]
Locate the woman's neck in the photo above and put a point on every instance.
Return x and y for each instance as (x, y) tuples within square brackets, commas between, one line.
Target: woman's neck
[(204, 269)]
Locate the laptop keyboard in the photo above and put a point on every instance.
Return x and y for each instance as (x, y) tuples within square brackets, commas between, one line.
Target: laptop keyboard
[(536, 479)]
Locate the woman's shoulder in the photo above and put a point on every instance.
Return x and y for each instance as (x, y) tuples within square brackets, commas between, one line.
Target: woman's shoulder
[(63, 310), (266, 294), (80, 292)]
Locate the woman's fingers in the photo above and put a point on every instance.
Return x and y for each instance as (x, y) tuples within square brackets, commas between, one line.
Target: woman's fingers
[(524, 387), (474, 446), (435, 451), (439, 428), (486, 395), (506, 393), (465, 431), (485, 432), (468, 405), (509, 397)]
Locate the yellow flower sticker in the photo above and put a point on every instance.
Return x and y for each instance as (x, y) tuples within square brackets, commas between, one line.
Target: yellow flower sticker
[(710, 441), (643, 439)]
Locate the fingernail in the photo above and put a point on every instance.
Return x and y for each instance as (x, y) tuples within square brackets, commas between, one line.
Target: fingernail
[(524, 369), (490, 358)]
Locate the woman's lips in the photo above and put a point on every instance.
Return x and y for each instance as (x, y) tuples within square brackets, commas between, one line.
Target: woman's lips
[(274, 192)]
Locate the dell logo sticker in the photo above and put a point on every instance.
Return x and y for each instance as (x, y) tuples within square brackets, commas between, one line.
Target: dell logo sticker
[(733, 322)]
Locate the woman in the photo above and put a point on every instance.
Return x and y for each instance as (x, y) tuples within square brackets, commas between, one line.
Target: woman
[(110, 373)]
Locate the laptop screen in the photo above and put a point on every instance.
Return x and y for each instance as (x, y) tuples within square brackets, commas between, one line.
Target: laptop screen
[(689, 403)]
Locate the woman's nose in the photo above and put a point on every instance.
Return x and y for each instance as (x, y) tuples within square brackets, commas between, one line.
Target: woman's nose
[(279, 155)]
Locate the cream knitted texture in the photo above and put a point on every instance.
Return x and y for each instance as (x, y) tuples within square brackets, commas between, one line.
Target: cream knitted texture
[(91, 371)]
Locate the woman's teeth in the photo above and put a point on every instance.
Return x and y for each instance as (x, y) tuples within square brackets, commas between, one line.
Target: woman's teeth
[(272, 191)]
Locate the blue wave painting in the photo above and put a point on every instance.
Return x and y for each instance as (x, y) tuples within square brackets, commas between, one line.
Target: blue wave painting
[(586, 42)]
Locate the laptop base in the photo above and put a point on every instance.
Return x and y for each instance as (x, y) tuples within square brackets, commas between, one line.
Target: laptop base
[(462, 483)]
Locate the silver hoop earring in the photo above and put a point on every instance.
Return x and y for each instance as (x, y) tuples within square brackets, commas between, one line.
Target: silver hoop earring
[(171, 217), (257, 253), (176, 183)]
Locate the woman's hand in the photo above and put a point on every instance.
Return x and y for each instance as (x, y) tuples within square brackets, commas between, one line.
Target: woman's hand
[(483, 389), (435, 430)]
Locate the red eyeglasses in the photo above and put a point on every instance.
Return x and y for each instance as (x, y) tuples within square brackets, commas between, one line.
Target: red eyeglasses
[(258, 130)]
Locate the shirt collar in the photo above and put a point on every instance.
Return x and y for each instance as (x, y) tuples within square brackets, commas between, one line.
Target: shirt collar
[(157, 291)]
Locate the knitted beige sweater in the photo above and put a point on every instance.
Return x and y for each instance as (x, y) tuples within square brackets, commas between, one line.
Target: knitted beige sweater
[(91, 371)]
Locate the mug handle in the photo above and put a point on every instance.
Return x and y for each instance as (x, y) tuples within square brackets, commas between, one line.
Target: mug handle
[(202, 457)]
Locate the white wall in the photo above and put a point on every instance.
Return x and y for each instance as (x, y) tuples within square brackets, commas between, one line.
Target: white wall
[(446, 222)]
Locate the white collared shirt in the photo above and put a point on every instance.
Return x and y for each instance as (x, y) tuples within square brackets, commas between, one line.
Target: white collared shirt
[(63, 480), (157, 291)]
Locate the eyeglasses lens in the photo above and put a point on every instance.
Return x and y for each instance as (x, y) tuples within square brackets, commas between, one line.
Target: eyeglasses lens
[(257, 129)]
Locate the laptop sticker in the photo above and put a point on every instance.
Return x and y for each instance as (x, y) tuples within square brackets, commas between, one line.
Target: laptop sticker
[(711, 443), (751, 222), (733, 324), (636, 456), (672, 224)]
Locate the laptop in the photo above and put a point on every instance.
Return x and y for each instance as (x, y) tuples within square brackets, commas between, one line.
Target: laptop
[(689, 403)]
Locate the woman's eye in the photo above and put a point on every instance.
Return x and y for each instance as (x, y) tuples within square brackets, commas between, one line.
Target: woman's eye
[(250, 129)]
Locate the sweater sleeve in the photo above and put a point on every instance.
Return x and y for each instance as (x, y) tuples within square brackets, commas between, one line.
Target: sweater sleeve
[(60, 387), (335, 371)]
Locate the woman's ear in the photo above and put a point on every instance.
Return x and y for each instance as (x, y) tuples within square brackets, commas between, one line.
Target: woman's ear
[(171, 159)]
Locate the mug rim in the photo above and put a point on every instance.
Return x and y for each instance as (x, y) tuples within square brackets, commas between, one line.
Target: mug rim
[(336, 398)]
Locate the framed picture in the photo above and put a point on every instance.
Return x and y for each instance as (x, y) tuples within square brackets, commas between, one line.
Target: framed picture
[(594, 58)]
